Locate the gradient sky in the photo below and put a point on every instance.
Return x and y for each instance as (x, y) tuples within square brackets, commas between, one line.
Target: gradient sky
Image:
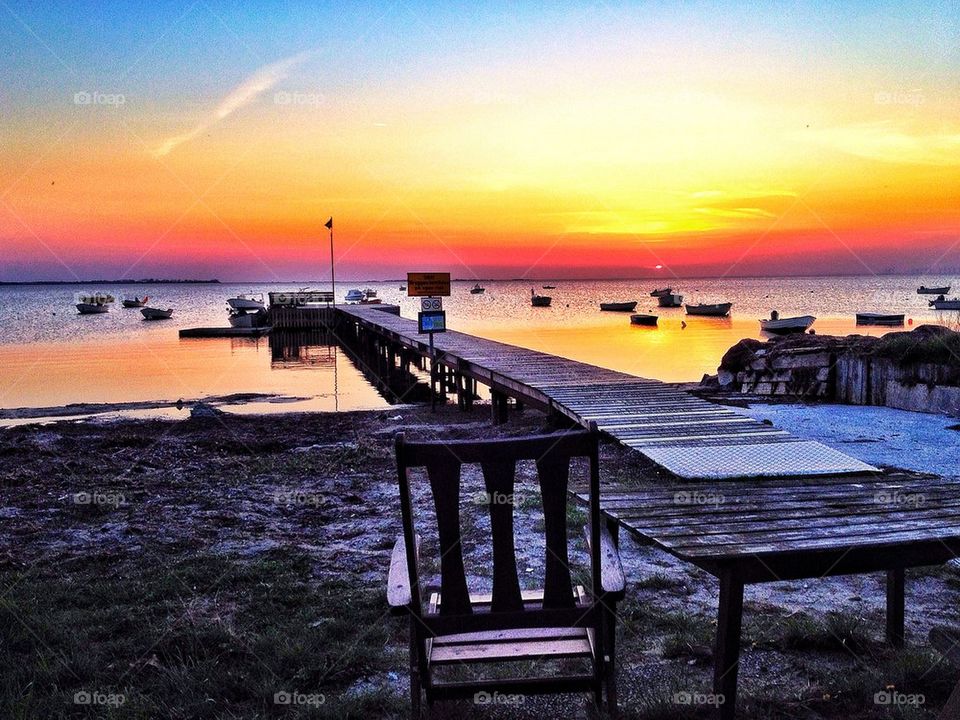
[(213, 139)]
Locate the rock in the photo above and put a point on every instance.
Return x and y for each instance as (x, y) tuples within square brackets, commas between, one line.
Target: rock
[(709, 380), (204, 410), (725, 378)]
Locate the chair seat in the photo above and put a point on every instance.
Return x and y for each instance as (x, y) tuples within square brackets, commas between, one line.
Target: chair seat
[(513, 644)]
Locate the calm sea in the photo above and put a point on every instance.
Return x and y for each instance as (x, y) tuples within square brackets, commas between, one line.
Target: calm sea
[(53, 356)]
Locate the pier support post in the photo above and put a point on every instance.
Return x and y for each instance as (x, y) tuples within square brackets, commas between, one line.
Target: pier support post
[(498, 407)]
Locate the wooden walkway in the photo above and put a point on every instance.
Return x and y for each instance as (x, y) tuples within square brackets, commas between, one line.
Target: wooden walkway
[(687, 436)]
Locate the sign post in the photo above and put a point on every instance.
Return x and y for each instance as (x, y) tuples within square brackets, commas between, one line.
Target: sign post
[(430, 288)]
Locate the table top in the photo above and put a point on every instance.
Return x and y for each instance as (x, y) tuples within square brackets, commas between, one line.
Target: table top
[(793, 528)]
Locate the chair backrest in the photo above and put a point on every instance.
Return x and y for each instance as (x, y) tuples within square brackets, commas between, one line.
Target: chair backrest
[(497, 459)]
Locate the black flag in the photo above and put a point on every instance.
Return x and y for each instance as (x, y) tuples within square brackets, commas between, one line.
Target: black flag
[(329, 224)]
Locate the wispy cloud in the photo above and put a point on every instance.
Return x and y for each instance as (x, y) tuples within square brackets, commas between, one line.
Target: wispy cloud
[(888, 144), (241, 96)]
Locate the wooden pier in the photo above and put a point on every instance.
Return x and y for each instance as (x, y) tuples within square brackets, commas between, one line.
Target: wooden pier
[(687, 436)]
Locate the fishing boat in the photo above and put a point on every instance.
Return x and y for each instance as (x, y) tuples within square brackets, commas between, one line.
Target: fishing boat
[(135, 303), (618, 306), (354, 295), (784, 326), (477, 289), (944, 304), (657, 292), (642, 319), (873, 318), (539, 300), (670, 300), (709, 309), (247, 302), (150, 313), (92, 308), (923, 290)]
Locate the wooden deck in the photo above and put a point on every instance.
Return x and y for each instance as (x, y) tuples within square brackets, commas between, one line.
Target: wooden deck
[(687, 436)]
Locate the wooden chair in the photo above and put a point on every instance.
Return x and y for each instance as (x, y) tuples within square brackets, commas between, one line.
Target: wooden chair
[(947, 641), (459, 627)]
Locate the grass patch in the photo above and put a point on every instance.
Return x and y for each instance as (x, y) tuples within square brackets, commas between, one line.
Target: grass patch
[(908, 348)]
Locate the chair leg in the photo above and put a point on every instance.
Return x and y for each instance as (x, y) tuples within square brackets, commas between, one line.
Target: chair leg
[(415, 685)]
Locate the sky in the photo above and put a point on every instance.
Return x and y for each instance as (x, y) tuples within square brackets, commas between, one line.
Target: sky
[(214, 139)]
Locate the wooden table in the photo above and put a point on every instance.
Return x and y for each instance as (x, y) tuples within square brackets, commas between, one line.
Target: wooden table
[(755, 531)]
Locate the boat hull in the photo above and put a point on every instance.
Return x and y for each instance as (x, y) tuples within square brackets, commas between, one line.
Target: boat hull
[(156, 313), (946, 304), (933, 291), (717, 310), (134, 303), (248, 319), (618, 306), (541, 300), (91, 309), (670, 300), (645, 320), (785, 326), (890, 320)]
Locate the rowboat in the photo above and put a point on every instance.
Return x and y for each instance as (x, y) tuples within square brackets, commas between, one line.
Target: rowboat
[(477, 289), (945, 304), (641, 319), (670, 299), (784, 326), (618, 306), (872, 318), (923, 290), (150, 313), (657, 292), (711, 310), (135, 303), (539, 300), (92, 308)]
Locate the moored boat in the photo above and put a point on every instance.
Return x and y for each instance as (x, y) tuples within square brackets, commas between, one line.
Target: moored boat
[(135, 302), (248, 318), (92, 308), (150, 313), (354, 295), (670, 299), (549, 287), (709, 309), (944, 304), (539, 300), (643, 319), (618, 306), (477, 289), (246, 302), (923, 290), (783, 326), (657, 292), (873, 318)]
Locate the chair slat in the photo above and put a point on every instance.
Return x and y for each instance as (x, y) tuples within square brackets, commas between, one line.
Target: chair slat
[(554, 473), (444, 474), (499, 478)]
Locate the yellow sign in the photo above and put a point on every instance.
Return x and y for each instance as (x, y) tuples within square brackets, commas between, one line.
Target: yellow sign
[(427, 284)]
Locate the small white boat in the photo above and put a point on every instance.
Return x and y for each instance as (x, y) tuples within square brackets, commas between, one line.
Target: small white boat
[(618, 306), (923, 290), (783, 326), (354, 295), (643, 319), (247, 302), (944, 304), (135, 302), (872, 318), (150, 313), (92, 308), (539, 300), (709, 309), (670, 299)]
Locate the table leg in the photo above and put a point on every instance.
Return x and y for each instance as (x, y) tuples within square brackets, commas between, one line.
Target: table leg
[(727, 652), (895, 607)]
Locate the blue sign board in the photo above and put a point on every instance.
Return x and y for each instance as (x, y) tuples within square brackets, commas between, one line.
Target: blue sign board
[(432, 321)]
